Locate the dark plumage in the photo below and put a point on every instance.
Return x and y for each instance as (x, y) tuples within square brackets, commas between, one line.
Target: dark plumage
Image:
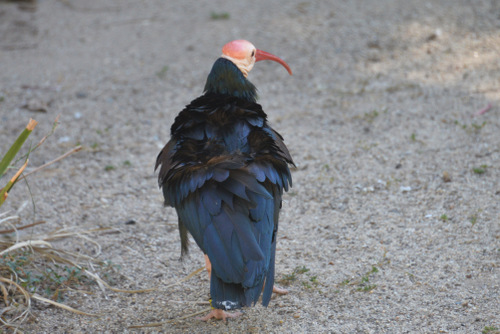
[(224, 170)]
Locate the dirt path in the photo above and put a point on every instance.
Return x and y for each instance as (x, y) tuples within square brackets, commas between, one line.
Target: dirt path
[(390, 225)]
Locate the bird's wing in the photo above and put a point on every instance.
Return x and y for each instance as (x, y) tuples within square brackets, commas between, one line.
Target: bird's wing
[(165, 160), (231, 208)]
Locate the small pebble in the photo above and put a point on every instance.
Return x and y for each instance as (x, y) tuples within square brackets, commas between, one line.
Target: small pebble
[(446, 177), (404, 189), (81, 95)]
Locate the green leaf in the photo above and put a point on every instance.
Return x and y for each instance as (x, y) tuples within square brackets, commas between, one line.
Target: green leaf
[(11, 153)]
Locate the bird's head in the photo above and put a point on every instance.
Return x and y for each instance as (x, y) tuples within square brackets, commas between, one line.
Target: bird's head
[(229, 73), (244, 55)]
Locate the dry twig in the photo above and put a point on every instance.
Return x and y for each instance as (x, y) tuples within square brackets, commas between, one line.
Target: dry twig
[(73, 150)]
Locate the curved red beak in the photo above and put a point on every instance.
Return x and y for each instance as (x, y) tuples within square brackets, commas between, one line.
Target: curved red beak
[(263, 55)]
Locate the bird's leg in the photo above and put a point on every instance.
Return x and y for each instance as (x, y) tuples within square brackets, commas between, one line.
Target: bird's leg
[(216, 313), (208, 266), (279, 291), (219, 314)]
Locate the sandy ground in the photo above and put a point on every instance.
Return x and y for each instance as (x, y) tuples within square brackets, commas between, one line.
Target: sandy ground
[(379, 117)]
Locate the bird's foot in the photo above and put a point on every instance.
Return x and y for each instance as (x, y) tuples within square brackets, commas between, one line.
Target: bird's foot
[(279, 291), (220, 315)]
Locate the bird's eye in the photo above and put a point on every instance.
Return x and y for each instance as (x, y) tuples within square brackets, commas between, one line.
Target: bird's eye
[(253, 53)]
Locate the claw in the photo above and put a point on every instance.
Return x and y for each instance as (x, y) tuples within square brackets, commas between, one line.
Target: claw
[(220, 315)]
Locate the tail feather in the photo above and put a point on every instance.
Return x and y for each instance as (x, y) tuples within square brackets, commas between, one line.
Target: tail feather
[(268, 288), (226, 296), (231, 296)]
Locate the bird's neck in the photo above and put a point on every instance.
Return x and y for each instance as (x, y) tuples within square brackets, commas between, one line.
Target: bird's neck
[(225, 78)]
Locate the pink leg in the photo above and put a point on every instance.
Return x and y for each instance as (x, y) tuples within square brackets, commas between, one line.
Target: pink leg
[(220, 315), (279, 291), (208, 266)]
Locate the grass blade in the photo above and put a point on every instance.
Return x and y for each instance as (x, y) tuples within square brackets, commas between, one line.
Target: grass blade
[(11, 153), (5, 190), (28, 243), (63, 306)]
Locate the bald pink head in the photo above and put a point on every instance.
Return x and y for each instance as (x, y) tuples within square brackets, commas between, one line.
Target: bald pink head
[(244, 55), (238, 48)]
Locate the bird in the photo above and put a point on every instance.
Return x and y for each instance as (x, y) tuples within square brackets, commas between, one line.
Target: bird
[(224, 171)]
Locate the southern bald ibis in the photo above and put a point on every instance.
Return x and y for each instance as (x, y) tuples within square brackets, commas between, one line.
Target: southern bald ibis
[(224, 170)]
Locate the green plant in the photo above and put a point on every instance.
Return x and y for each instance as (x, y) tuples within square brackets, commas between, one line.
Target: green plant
[(34, 269), (344, 282), (367, 288), (49, 279), (7, 159), (480, 170), (301, 270), (287, 279), (473, 219), (306, 285), (490, 330), (463, 126), (363, 284), (26, 266), (162, 73), (8, 162), (30, 266), (478, 127), (365, 279), (474, 127), (219, 16), (370, 116), (444, 217)]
